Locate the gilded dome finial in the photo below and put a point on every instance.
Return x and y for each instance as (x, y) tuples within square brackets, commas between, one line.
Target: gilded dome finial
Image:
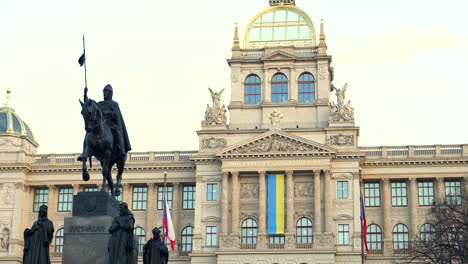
[(7, 104)]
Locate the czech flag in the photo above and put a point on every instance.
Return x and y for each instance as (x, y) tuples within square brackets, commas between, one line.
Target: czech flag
[(275, 204), (364, 224), (168, 226)]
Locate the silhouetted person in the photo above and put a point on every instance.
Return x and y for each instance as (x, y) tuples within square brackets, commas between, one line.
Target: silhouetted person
[(37, 239), (121, 243), (154, 251)]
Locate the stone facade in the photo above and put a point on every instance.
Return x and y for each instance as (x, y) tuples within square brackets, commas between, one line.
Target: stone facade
[(324, 169)]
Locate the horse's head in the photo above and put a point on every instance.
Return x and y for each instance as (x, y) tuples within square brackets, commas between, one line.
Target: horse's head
[(91, 114)]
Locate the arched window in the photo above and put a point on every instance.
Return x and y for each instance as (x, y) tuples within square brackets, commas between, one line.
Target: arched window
[(400, 237), (306, 88), (59, 241), (374, 237), (249, 231), (279, 88), (427, 234), (304, 231), (252, 90), (187, 239), (141, 237)]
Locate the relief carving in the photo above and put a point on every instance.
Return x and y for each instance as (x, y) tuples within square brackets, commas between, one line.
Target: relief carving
[(4, 236), (228, 242), (342, 176), (340, 140), (323, 241), (8, 192), (274, 143), (249, 191), (234, 76), (303, 190), (213, 143), (323, 72)]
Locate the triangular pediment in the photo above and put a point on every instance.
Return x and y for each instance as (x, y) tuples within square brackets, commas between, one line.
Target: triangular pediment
[(279, 55), (276, 142)]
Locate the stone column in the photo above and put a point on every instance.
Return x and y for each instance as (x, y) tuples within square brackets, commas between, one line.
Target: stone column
[(262, 209), (127, 194), (440, 193), (328, 203), (52, 203), (387, 220), (290, 202), (150, 210), (317, 202), (76, 188), (414, 230), (235, 202), (225, 203), (176, 207), (20, 197)]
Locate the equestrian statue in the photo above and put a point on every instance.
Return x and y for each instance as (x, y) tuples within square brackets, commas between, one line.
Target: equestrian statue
[(106, 138)]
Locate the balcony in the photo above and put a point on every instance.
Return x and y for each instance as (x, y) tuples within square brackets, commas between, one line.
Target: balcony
[(248, 246), (415, 151), (304, 245), (276, 246)]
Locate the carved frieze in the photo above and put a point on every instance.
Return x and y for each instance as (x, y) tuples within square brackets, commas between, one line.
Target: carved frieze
[(249, 191), (302, 189), (213, 143), (228, 241), (323, 72), (323, 241), (340, 140), (8, 191), (210, 179), (234, 76), (275, 143)]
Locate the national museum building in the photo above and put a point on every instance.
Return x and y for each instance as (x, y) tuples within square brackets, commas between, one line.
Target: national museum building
[(279, 181)]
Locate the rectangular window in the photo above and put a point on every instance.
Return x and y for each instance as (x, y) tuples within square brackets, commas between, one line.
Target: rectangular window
[(161, 197), (426, 192), (211, 236), (276, 239), (90, 189), (343, 234), (212, 192), (399, 194), (188, 197), (65, 200), (342, 189), (453, 192), (140, 197), (41, 196), (372, 194)]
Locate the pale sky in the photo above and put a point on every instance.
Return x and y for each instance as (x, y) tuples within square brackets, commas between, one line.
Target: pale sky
[(406, 63)]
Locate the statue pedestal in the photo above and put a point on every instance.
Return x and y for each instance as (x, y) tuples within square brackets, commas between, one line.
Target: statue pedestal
[(86, 235)]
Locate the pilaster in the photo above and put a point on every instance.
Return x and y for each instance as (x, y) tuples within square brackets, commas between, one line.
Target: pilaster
[(387, 205), (328, 203), (150, 210), (440, 189), (127, 194), (317, 202), (225, 203), (290, 202), (262, 207), (52, 203), (235, 203), (413, 207)]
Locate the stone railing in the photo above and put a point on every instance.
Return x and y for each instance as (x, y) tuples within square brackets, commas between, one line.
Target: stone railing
[(376, 251), (304, 245), (416, 151), (248, 246), (132, 157), (276, 245)]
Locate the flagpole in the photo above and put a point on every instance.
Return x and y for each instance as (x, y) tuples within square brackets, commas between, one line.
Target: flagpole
[(164, 198), (84, 52), (360, 207)]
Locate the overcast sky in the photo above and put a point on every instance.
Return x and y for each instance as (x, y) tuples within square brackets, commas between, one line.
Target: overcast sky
[(406, 63)]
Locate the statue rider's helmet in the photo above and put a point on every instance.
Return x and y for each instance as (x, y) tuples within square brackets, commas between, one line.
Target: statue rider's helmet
[(109, 90)]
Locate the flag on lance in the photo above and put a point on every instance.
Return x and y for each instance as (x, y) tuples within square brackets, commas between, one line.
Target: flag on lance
[(364, 224), (168, 226)]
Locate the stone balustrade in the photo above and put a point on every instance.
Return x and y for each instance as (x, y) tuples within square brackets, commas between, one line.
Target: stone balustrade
[(415, 151)]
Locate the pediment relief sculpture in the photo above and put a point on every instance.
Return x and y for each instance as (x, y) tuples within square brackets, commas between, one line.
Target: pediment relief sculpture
[(275, 143)]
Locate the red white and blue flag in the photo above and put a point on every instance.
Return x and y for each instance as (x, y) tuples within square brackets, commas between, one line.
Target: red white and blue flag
[(364, 224), (168, 226)]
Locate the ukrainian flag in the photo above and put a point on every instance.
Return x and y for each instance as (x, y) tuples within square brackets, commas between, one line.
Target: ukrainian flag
[(275, 204)]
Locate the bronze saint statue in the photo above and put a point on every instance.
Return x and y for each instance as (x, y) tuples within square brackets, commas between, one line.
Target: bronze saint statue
[(154, 251), (106, 138), (37, 239), (121, 243)]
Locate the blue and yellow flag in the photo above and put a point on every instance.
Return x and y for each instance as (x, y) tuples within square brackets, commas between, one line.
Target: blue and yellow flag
[(275, 204)]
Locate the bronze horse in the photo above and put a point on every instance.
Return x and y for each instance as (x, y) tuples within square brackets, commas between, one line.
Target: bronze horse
[(100, 143)]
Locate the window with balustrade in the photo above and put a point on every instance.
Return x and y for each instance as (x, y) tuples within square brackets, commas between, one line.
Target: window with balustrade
[(304, 231), (372, 194), (279, 88), (374, 237), (59, 241), (343, 234), (169, 192), (249, 231), (400, 237), (140, 198), (342, 190), (211, 236), (252, 89), (427, 235), (41, 196), (212, 192), (187, 239), (188, 197), (306, 88), (65, 200), (399, 194), (453, 192), (426, 192), (140, 237)]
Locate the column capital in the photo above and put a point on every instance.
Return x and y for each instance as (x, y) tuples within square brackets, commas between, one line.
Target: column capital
[(262, 172), (440, 179), (412, 180), (51, 186), (289, 172), (386, 180), (150, 184), (317, 173), (125, 184), (225, 173), (235, 173)]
